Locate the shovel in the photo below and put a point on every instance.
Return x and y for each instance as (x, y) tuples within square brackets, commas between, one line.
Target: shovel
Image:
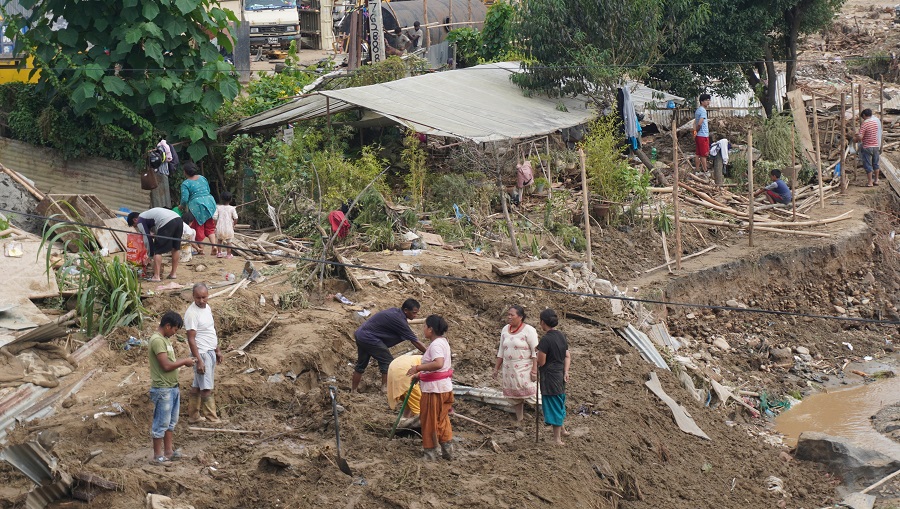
[(402, 408), (341, 462)]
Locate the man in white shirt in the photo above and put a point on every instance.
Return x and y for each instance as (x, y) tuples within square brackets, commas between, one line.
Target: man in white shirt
[(204, 345)]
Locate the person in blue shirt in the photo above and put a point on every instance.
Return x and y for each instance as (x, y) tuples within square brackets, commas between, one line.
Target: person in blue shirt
[(701, 133), (777, 190)]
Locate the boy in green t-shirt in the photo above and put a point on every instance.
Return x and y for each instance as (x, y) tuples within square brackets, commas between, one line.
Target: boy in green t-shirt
[(164, 391)]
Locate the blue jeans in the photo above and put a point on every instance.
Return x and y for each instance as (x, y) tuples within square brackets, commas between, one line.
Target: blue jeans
[(167, 401)]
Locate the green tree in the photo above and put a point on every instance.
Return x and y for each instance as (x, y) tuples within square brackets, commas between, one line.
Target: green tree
[(587, 46), (140, 64), (741, 46)]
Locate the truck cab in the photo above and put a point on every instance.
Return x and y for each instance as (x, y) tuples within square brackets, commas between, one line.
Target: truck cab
[(272, 22)]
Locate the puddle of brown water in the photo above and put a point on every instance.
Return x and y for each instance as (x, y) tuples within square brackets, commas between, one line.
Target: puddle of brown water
[(844, 413)]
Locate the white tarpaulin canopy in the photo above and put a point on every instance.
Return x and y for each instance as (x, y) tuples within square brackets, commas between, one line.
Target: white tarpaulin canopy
[(479, 103)]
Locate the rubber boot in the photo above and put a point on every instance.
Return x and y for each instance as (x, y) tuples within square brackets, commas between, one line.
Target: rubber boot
[(447, 450), (194, 416), (430, 454), (208, 409)]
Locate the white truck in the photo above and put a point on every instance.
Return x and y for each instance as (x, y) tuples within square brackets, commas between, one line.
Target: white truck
[(273, 23)]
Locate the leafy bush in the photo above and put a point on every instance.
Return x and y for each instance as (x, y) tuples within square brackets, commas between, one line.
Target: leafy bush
[(494, 43), (413, 156), (470, 191), (609, 175), (109, 292), (34, 117), (452, 230), (572, 236), (773, 139), (468, 46)]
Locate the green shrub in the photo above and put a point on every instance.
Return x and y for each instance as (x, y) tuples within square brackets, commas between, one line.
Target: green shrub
[(109, 292), (32, 116), (572, 237), (413, 157), (609, 175)]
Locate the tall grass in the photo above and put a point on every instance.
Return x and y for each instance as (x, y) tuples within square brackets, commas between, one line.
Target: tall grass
[(109, 292)]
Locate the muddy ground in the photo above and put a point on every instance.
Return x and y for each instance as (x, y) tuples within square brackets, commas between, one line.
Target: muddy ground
[(625, 450)]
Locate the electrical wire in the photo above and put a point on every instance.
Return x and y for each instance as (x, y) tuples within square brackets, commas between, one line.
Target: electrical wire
[(484, 282), (798, 60)]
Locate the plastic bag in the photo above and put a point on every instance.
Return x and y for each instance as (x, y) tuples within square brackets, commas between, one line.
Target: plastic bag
[(137, 252)]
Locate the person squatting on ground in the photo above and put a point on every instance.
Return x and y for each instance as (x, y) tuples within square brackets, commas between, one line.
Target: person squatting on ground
[(204, 344), (435, 377), (398, 383), (164, 392), (553, 362), (161, 229), (516, 359), (378, 334), (225, 217), (777, 190), (869, 136), (701, 133)]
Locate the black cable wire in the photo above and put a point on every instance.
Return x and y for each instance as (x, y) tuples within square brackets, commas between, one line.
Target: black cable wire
[(798, 60), (485, 282)]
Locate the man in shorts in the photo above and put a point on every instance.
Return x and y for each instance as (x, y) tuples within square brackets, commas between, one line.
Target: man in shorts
[(701, 128), (378, 334), (869, 137), (204, 344), (162, 230)]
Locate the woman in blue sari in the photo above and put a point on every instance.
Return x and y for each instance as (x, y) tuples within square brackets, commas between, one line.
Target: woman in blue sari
[(196, 198)]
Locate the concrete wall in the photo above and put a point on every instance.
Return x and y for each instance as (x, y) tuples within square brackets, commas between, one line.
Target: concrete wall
[(116, 183)]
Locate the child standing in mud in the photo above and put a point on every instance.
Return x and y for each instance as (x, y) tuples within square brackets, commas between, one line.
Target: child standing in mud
[(164, 391)]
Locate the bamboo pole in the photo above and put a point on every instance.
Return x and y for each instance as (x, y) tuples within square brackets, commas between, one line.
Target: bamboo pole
[(584, 201), (667, 264), (852, 106), (750, 183), (726, 224), (844, 180), (818, 150), (675, 193), (859, 91), (793, 173), (666, 251), (427, 30)]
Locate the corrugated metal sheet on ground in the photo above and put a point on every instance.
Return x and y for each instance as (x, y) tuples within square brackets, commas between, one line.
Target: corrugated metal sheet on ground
[(26, 401), (643, 344), (116, 183)]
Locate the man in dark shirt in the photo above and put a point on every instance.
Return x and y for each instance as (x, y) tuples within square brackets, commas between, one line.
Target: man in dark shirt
[(378, 334)]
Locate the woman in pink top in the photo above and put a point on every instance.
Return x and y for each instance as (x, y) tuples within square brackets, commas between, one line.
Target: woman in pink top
[(434, 376)]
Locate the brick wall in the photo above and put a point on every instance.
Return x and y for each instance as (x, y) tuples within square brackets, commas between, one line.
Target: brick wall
[(116, 183)]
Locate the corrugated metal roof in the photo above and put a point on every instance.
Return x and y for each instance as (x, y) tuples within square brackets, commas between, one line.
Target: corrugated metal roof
[(640, 341), (479, 103)]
